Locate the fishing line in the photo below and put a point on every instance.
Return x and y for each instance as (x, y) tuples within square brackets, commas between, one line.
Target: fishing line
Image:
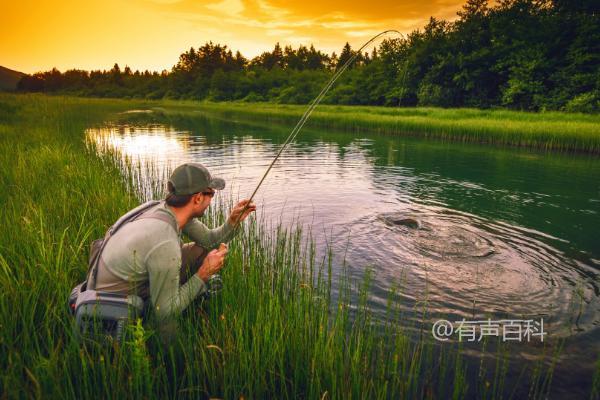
[(309, 111)]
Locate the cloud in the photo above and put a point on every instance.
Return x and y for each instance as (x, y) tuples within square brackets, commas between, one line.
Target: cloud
[(326, 23), (279, 32), (233, 7), (363, 33), (373, 11), (331, 14)]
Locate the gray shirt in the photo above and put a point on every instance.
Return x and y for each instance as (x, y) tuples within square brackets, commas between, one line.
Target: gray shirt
[(144, 257)]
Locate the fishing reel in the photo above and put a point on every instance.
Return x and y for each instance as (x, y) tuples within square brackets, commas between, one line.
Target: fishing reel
[(215, 285)]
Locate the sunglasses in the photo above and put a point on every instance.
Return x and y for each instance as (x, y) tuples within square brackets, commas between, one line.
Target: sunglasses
[(210, 194)]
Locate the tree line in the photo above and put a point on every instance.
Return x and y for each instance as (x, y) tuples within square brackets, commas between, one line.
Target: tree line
[(521, 54)]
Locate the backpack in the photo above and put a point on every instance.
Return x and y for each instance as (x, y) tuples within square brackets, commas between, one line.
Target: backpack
[(106, 313)]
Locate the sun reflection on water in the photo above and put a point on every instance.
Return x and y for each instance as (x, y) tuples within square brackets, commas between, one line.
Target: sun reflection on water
[(153, 143)]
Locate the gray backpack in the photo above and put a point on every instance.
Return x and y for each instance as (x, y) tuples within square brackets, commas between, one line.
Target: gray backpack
[(99, 313)]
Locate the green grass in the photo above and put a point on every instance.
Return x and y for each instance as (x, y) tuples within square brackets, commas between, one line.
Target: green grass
[(549, 130), (275, 330)]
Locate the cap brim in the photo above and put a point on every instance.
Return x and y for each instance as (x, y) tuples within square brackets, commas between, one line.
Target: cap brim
[(217, 184)]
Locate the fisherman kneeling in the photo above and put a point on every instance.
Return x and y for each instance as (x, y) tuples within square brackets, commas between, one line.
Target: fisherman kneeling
[(143, 253)]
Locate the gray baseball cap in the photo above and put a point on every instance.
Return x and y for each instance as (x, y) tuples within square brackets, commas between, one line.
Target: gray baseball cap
[(190, 178)]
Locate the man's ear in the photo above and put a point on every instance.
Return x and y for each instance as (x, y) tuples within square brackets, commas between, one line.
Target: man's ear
[(196, 199)]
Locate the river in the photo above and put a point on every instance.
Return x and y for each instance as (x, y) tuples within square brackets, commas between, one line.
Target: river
[(491, 233)]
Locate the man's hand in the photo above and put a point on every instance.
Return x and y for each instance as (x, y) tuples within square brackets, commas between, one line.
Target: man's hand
[(234, 217), (213, 262)]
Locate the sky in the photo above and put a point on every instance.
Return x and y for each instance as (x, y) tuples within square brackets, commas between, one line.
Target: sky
[(151, 34)]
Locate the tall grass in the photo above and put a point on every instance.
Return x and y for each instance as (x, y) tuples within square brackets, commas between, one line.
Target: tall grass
[(549, 130), (274, 331)]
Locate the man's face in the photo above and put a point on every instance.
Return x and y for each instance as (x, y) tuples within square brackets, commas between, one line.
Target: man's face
[(201, 201)]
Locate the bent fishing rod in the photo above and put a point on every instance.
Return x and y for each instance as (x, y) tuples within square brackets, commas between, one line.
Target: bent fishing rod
[(309, 111)]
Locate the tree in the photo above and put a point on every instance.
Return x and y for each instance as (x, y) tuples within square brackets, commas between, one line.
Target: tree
[(345, 55), (270, 60), (115, 75), (525, 86)]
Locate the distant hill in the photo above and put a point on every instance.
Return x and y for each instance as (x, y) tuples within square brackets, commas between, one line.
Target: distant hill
[(9, 78)]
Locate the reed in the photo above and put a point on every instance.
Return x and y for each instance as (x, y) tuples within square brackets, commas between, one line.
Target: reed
[(281, 328)]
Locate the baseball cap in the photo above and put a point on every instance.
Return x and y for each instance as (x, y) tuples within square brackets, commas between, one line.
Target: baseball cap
[(190, 178)]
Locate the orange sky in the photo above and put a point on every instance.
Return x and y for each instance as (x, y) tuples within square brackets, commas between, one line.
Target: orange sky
[(150, 34)]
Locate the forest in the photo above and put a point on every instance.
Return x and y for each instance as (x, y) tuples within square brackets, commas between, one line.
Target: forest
[(531, 55)]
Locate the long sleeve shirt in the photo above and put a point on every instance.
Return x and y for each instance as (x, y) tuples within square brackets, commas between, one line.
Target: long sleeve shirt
[(144, 257)]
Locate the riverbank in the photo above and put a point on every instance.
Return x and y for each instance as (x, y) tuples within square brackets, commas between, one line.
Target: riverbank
[(554, 131), (270, 333)]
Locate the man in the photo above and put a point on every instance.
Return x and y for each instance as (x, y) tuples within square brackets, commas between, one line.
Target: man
[(147, 256)]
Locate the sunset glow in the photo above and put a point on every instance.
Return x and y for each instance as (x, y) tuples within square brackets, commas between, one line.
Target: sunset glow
[(150, 34)]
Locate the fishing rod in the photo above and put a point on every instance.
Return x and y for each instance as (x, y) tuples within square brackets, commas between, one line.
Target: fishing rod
[(309, 111)]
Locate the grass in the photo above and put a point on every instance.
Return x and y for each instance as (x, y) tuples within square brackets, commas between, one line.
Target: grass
[(549, 130), (275, 330)]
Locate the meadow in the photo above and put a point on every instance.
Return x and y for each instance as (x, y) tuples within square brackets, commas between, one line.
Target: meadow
[(275, 331)]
